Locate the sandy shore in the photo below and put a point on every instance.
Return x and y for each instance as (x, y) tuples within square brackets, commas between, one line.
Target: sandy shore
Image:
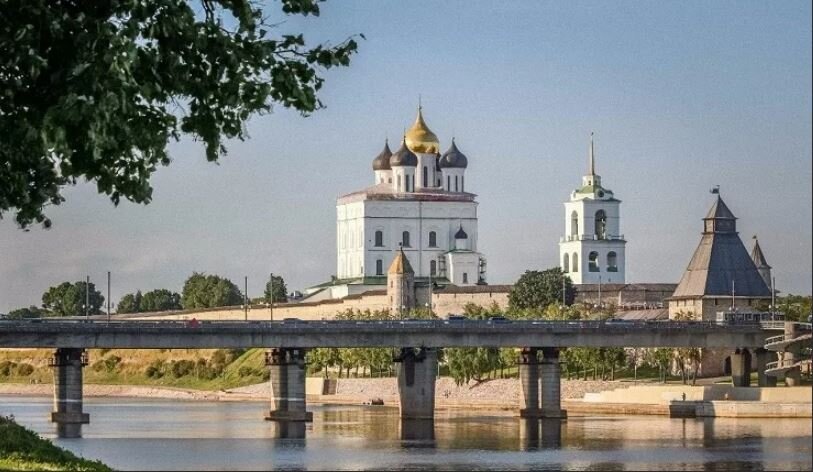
[(495, 393)]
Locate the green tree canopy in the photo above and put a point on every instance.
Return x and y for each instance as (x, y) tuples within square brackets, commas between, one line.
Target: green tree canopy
[(156, 300), (275, 289), (538, 289), (97, 90), (208, 291), (24, 313), (68, 299), (130, 303)]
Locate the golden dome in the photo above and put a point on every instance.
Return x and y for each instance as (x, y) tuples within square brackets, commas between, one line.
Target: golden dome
[(420, 138)]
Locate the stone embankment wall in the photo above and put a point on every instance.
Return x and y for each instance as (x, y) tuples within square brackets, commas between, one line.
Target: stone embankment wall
[(664, 394)]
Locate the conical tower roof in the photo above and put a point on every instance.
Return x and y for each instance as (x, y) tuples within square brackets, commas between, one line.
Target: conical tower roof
[(400, 265), (758, 257), (720, 260)]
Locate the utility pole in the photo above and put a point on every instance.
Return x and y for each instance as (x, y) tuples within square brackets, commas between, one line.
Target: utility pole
[(773, 297), (108, 296), (732, 294), (271, 293), (87, 298), (599, 292), (564, 300), (245, 298)]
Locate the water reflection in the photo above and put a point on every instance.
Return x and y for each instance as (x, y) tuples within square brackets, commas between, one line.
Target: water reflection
[(418, 433), (537, 434), (288, 430)]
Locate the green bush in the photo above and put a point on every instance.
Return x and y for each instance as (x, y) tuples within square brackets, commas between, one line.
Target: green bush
[(7, 368), (155, 370), (111, 363), (24, 370), (182, 368)]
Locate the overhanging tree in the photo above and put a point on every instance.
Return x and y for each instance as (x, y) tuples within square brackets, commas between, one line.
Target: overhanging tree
[(96, 90)]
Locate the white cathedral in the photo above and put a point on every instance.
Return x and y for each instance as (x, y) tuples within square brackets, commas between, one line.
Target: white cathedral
[(592, 250), (418, 202)]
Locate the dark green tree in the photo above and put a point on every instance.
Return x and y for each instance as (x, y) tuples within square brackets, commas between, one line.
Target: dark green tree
[(275, 289), (160, 300), (207, 291), (538, 289), (68, 299), (130, 303), (25, 313), (97, 90)]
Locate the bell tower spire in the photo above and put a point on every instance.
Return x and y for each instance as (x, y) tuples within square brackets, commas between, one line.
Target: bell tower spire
[(592, 156)]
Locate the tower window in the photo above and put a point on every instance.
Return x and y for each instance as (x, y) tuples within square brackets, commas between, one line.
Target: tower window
[(566, 264), (398, 183), (448, 183), (425, 176), (575, 262), (433, 268), (612, 262), (433, 239), (405, 239), (462, 183), (455, 184), (379, 267), (379, 238), (593, 262), (465, 278), (601, 225), (574, 224)]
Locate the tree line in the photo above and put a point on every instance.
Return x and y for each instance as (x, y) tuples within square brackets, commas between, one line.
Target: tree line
[(199, 291)]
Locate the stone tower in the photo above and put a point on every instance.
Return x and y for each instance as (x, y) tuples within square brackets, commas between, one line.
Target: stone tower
[(592, 250), (762, 265), (401, 285)]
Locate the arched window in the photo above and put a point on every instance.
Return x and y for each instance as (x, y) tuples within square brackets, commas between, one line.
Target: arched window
[(566, 264), (448, 183), (379, 238), (379, 267), (425, 176), (455, 184), (433, 239), (575, 262), (574, 224), (462, 184), (465, 278), (612, 262), (398, 183), (592, 263), (433, 268), (405, 239), (601, 225)]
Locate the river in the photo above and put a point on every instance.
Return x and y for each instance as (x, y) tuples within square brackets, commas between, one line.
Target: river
[(142, 434)]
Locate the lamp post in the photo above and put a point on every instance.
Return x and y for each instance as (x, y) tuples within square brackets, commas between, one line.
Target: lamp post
[(87, 298), (245, 298), (108, 296), (271, 295)]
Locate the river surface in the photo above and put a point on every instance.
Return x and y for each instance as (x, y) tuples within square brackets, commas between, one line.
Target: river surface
[(141, 434)]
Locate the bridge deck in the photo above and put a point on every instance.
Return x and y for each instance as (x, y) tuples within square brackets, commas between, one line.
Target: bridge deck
[(415, 333)]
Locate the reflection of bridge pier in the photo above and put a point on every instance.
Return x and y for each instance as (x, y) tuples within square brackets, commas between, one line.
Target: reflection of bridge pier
[(287, 369), (67, 414), (545, 433), (418, 430)]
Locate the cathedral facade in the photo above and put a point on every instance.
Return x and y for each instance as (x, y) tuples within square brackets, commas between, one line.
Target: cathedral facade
[(419, 203), (592, 250)]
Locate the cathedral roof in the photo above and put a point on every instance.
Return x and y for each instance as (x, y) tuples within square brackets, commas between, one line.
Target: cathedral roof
[(400, 265), (461, 234), (384, 191), (719, 261), (382, 161), (403, 156), (453, 158), (758, 257), (420, 138)]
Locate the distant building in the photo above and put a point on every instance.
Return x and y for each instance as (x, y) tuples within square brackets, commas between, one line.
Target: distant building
[(721, 274), (592, 250), (625, 296)]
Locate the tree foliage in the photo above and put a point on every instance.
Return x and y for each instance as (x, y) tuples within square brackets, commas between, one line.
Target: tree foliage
[(97, 90), (275, 289), (68, 299), (155, 300), (538, 289), (208, 291), (25, 313)]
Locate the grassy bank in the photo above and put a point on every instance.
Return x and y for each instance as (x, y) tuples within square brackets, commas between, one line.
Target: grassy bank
[(21, 449)]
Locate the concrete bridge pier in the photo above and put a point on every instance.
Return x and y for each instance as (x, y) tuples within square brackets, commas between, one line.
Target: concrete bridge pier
[(529, 383), (287, 368), (791, 356), (763, 357), (741, 368), (550, 373), (417, 370), (68, 416)]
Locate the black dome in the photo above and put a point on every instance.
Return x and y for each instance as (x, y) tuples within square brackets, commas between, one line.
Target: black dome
[(461, 234), (382, 161), (404, 157), (453, 158)]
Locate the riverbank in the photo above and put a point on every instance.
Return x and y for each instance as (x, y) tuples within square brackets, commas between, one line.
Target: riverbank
[(21, 449)]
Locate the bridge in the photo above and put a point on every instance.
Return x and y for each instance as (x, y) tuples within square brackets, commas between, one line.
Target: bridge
[(417, 342)]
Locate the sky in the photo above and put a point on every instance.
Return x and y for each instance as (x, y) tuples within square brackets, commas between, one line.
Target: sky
[(681, 96)]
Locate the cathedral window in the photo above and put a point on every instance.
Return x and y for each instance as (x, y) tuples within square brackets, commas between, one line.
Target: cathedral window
[(433, 268), (566, 264), (433, 239), (462, 183), (465, 278), (448, 183), (593, 262), (398, 184), (425, 176), (379, 267), (574, 225), (405, 239), (601, 225), (575, 262), (455, 184), (379, 238), (612, 262)]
